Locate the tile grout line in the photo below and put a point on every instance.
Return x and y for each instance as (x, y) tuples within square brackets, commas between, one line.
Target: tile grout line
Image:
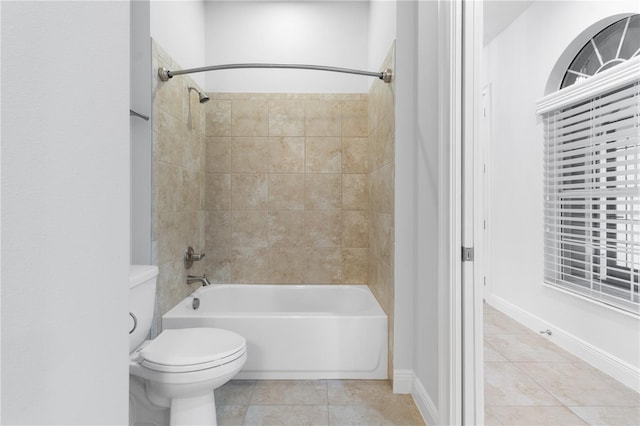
[(246, 411)]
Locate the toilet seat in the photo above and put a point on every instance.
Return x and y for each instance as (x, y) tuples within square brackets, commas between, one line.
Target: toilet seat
[(192, 349)]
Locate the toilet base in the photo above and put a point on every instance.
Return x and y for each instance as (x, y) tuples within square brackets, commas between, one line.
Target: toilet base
[(200, 410), (142, 411)]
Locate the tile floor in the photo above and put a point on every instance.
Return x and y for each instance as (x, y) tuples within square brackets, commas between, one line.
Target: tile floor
[(313, 402), (531, 381)]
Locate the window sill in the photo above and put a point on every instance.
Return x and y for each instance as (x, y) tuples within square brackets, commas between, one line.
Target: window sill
[(600, 303)]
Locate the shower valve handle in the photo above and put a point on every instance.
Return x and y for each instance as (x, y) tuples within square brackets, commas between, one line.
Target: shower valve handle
[(191, 256)]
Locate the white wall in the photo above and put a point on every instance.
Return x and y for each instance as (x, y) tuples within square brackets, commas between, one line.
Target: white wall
[(427, 190), (179, 27), (518, 63), (141, 133), (382, 30), (306, 32), (65, 212), (416, 207)]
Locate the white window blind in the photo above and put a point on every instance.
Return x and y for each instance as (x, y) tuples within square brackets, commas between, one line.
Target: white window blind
[(592, 195)]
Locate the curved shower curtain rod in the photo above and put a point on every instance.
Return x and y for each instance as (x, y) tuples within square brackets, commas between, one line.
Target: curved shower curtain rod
[(385, 75)]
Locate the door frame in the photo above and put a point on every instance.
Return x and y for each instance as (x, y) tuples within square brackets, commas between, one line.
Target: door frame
[(472, 166), (461, 384)]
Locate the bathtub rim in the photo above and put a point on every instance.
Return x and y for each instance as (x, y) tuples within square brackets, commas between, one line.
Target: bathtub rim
[(181, 310)]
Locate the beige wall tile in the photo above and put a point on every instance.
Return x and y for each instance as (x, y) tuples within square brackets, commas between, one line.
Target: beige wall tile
[(166, 134), (169, 97), (217, 192), (323, 155), (355, 265), (322, 228), (250, 155), (248, 192), (218, 228), (386, 138), (381, 235), (218, 155), (286, 154), (195, 153), (323, 192), (380, 278), (286, 265), (286, 192), (286, 118), (250, 229), (374, 153), (355, 120), (192, 191), (169, 234), (323, 118), (217, 264), (173, 286), (218, 118), (355, 229), (355, 192), (323, 265), (381, 189), (355, 156), (167, 179), (380, 158), (249, 265), (250, 117), (286, 228)]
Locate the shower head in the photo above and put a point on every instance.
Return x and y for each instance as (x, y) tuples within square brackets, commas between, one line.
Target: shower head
[(201, 96)]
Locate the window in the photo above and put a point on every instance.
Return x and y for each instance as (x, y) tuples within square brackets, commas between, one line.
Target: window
[(612, 46), (592, 171)]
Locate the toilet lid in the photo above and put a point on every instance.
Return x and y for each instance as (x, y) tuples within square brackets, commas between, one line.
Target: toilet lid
[(193, 348)]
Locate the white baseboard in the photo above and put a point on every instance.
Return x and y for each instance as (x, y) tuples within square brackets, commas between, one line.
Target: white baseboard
[(609, 364), (406, 381), (403, 381)]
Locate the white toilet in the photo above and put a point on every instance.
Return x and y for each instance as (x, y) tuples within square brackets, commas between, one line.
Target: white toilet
[(180, 368)]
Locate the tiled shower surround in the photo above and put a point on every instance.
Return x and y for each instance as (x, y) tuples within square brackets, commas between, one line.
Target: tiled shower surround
[(287, 193), (178, 181), (274, 188)]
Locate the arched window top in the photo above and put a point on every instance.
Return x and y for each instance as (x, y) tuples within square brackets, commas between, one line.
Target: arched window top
[(614, 45)]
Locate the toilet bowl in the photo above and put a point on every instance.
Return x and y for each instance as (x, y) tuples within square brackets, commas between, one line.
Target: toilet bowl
[(180, 368)]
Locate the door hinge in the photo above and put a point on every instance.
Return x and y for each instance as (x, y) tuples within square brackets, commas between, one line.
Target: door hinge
[(467, 254)]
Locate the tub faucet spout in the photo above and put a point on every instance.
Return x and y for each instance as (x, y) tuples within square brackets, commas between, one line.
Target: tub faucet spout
[(198, 279)]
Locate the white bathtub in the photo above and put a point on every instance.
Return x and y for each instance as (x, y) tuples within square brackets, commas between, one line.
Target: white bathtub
[(295, 331)]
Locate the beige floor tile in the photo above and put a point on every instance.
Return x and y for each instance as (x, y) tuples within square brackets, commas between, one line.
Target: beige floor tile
[(365, 415), (579, 384), (522, 416), (490, 418), (495, 322), (618, 416), (230, 415), (290, 392), (280, 415), (362, 392), (506, 385), (528, 348), (592, 397), (490, 354), (235, 392)]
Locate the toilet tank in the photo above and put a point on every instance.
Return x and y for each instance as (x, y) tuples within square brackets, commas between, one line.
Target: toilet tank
[(142, 297)]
